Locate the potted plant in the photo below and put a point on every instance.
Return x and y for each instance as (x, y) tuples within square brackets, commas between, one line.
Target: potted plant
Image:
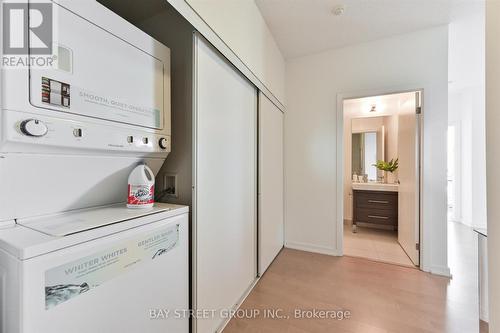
[(390, 166)]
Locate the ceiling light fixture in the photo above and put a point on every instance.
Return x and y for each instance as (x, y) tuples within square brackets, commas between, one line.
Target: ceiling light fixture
[(338, 10)]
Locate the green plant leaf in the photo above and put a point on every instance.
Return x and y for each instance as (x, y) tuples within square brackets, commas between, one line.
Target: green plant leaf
[(390, 166)]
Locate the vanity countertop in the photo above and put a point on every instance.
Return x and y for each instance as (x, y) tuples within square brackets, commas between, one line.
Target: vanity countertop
[(375, 186)]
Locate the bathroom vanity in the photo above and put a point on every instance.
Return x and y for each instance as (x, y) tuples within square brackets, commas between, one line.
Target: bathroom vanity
[(375, 204)]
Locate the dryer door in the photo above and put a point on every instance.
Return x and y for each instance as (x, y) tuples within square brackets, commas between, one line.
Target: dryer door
[(99, 75)]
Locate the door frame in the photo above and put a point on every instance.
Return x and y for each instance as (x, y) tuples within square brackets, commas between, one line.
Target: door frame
[(341, 97), (457, 216)]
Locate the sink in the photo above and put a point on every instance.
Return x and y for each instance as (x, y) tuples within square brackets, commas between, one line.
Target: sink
[(374, 186)]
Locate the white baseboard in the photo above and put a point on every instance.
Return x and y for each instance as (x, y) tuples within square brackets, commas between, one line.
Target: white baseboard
[(313, 248), (441, 270), (484, 316)]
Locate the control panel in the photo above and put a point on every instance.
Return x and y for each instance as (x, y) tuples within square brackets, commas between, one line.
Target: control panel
[(21, 127)]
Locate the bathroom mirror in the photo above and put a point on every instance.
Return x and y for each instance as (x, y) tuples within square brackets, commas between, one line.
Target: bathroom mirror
[(367, 147)]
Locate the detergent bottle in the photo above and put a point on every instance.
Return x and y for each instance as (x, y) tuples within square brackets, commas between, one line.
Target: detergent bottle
[(141, 187)]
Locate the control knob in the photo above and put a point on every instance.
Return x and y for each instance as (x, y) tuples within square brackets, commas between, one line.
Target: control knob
[(33, 127), (163, 143)]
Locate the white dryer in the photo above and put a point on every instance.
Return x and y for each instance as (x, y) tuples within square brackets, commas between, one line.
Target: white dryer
[(71, 133)]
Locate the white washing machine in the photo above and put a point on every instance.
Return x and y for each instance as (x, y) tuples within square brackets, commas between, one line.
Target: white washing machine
[(73, 258), (70, 273)]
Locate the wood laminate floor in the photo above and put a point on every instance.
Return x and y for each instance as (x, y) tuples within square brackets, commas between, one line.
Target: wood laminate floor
[(380, 297)]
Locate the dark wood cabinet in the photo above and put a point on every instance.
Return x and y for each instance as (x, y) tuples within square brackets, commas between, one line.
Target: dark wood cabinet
[(376, 208)]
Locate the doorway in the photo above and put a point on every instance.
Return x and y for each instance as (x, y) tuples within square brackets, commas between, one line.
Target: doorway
[(381, 182)]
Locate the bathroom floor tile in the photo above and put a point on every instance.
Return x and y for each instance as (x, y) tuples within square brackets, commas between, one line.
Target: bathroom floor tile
[(375, 244)]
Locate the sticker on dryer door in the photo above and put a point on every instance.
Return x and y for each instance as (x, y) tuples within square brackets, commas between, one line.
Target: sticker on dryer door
[(74, 278), (55, 92)]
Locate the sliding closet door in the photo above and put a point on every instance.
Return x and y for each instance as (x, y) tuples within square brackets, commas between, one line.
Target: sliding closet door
[(225, 185), (270, 182)]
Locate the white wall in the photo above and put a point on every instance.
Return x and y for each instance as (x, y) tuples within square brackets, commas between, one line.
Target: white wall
[(493, 157), (417, 60), (466, 75), (241, 25)]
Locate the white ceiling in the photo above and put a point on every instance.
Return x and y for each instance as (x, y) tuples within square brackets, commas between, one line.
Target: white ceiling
[(303, 27)]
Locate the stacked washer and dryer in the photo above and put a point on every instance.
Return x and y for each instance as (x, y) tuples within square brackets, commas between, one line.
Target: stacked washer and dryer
[(73, 258)]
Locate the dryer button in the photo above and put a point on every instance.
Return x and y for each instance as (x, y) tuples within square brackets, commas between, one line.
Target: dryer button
[(77, 132)]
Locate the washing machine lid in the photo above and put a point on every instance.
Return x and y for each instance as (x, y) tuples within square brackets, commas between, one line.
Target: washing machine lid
[(39, 236), (82, 220)]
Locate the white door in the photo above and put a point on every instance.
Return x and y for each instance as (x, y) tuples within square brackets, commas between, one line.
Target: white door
[(408, 147), (270, 182), (225, 185)]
